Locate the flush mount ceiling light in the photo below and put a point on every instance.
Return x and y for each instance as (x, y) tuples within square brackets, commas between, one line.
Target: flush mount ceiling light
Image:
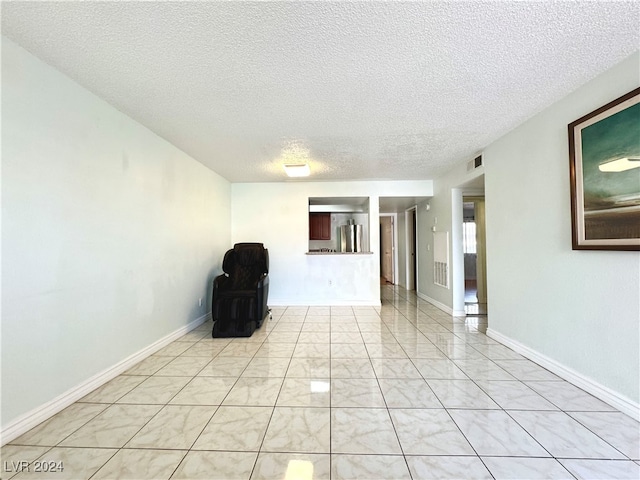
[(620, 165), (297, 169)]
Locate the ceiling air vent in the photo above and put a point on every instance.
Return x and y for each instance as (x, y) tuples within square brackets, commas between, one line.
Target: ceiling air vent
[(475, 163)]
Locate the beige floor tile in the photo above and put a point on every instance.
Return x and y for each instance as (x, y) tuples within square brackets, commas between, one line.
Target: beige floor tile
[(602, 469), (140, 465), (495, 433), (395, 368), (254, 391), (235, 428), (204, 349), (213, 466), (225, 367), (443, 467), (276, 350), (348, 350), (354, 467), (564, 437), (174, 427), (183, 367), (61, 425), (155, 390), (356, 392), (15, 458), (112, 428), (305, 392), (363, 431), (267, 367), (204, 391), (292, 466), (149, 365), (113, 390), (408, 393), (67, 463), (298, 429), (508, 468), (352, 368), (173, 349), (429, 432), (309, 368), (616, 428)]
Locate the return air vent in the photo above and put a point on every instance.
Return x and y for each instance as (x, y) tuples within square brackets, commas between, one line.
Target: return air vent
[(441, 259), (475, 163)]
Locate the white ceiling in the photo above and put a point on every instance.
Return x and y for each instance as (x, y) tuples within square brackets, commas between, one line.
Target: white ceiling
[(360, 90), (399, 204)]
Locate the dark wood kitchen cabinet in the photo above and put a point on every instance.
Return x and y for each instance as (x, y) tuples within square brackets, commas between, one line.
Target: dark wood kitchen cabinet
[(319, 226)]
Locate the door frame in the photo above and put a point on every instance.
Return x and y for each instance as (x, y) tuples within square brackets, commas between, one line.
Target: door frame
[(465, 190), (394, 245), (481, 258), (411, 236)]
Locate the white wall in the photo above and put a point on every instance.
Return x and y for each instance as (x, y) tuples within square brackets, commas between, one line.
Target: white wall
[(110, 235), (578, 308), (276, 214)]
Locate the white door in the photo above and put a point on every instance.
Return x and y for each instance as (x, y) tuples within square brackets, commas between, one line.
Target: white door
[(386, 246)]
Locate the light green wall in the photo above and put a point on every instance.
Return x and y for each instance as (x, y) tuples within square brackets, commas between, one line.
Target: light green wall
[(445, 214), (110, 235), (579, 308)]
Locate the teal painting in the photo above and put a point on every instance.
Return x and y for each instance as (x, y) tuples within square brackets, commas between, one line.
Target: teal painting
[(613, 138), (605, 175)]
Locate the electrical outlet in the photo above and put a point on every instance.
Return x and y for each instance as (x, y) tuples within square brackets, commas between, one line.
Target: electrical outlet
[(330, 282), (200, 302)]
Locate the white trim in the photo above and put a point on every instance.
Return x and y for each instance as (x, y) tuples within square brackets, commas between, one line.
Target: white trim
[(331, 303), (407, 240), (441, 306), (456, 270), (45, 411), (394, 245), (607, 395)]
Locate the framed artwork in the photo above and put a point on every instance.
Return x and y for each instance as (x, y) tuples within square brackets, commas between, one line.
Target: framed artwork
[(604, 155)]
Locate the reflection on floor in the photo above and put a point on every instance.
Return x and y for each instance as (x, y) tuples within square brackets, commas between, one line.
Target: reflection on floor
[(470, 291), (471, 305), (474, 309), (404, 391)]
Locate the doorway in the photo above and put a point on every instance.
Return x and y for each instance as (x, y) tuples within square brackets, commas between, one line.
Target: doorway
[(412, 261), (387, 242), (474, 250)]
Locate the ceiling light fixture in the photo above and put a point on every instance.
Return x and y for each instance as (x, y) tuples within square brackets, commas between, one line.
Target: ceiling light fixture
[(297, 170), (620, 165)]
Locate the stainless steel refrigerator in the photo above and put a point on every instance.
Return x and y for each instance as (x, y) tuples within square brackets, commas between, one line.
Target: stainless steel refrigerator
[(351, 238)]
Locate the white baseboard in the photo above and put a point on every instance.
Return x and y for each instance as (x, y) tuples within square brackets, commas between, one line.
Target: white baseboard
[(26, 422), (440, 305), (607, 395), (332, 303)]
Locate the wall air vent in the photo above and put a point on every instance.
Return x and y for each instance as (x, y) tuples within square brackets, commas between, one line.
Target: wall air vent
[(475, 163), (441, 259)]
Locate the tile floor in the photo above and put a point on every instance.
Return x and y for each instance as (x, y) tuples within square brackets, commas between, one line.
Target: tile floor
[(399, 392)]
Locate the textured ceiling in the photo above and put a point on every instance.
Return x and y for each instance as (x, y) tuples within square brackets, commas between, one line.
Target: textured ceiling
[(360, 90)]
